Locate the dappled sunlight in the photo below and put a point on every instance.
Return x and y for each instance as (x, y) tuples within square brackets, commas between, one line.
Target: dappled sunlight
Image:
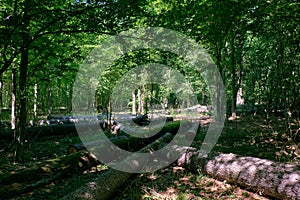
[(175, 183), (259, 137), (246, 136)]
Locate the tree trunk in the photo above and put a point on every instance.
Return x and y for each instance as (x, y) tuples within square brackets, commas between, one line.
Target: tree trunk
[(220, 96), (234, 84), (203, 98), (0, 98), (139, 102), (35, 102), (109, 110), (69, 100), (49, 101), (13, 98), (274, 179), (133, 100), (20, 133)]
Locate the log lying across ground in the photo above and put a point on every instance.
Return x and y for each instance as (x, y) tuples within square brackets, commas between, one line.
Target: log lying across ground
[(73, 148), (39, 174), (274, 179), (18, 182), (50, 130), (128, 142), (277, 180), (107, 184)]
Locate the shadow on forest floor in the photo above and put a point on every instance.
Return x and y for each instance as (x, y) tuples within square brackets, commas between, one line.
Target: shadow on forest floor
[(261, 137), (255, 136)]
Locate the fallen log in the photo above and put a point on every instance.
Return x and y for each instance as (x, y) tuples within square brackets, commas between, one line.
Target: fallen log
[(127, 142), (278, 180), (18, 182), (105, 186), (73, 148), (52, 130)]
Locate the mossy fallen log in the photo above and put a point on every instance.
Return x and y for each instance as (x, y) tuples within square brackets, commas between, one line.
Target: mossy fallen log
[(274, 179)]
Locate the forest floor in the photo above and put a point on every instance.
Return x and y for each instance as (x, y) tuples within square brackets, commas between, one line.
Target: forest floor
[(256, 136)]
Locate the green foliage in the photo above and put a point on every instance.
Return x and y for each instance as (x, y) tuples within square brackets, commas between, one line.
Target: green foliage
[(255, 45)]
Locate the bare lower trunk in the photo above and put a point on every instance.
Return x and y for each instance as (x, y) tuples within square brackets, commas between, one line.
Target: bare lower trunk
[(13, 98), (133, 100), (49, 101), (35, 101), (139, 102), (20, 133), (0, 98)]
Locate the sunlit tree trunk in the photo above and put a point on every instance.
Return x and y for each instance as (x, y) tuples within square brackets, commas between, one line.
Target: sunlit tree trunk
[(0, 98), (140, 103), (13, 98), (143, 100), (35, 101), (49, 101), (109, 110), (234, 86), (133, 100)]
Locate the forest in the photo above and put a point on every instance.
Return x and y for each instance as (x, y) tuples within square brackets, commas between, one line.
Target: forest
[(87, 86)]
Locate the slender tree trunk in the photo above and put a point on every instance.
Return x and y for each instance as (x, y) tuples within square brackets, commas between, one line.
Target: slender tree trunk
[(219, 87), (69, 104), (110, 111), (133, 100), (6, 102), (35, 101), (90, 100), (13, 98), (234, 86), (49, 101), (13, 86), (203, 98), (236, 76), (0, 98), (144, 101), (139, 102), (20, 134)]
